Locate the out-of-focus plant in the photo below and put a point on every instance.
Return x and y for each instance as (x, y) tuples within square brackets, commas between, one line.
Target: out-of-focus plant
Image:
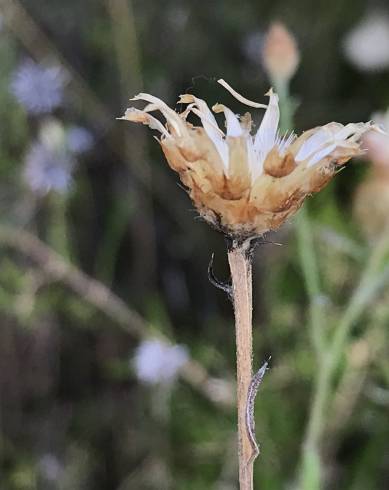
[(83, 202), (371, 199), (329, 345), (367, 45)]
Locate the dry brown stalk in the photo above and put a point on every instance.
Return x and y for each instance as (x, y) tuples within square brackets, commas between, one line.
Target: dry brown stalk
[(241, 274)]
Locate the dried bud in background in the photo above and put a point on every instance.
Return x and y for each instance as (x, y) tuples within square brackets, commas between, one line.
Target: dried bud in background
[(280, 53), (377, 143), (371, 204), (377, 146), (371, 201)]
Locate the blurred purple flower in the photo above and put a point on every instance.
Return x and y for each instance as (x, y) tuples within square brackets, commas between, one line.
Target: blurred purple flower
[(37, 88), (47, 169), (50, 467), (158, 362), (252, 47), (79, 139)]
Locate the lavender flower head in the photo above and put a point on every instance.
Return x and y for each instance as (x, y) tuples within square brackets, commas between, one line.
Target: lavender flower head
[(252, 46), (48, 163), (50, 467), (37, 88), (157, 362), (79, 139)]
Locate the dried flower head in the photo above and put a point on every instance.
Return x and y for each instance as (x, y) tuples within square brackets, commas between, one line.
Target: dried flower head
[(158, 362), (367, 45), (280, 53), (247, 184), (38, 89)]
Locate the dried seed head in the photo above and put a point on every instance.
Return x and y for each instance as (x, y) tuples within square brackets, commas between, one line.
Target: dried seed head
[(247, 184), (280, 53)]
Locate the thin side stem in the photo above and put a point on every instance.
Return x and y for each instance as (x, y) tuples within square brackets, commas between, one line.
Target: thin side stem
[(371, 281), (241, 274), (58, 237), (316, 419), (310, 271)]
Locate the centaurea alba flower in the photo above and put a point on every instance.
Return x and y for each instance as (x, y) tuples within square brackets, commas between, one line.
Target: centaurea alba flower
[(245, 183)]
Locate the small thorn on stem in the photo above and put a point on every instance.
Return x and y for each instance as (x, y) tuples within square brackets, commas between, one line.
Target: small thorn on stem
[(226, 287)]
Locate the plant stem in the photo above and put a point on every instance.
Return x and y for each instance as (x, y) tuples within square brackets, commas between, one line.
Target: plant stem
[(311, 469), (373, 277), (241, 274), (286, 104), (58, 237), (312, 283)]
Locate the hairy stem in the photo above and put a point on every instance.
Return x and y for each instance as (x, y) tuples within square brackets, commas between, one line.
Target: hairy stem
[(240, 265)]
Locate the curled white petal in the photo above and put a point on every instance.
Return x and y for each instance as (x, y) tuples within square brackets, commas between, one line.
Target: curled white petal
[(313, 144), (254, 162), (321, 154), (215, 135), (201, 105), (239, 97), (171, 117), (137, 115), (332, 133), (347, 131), (266, 136), (232, 122)]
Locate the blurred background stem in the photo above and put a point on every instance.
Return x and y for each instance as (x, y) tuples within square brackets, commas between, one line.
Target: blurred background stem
[(373, 277), (57, 232), (328, 352), (128, 59), (312, 282)]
